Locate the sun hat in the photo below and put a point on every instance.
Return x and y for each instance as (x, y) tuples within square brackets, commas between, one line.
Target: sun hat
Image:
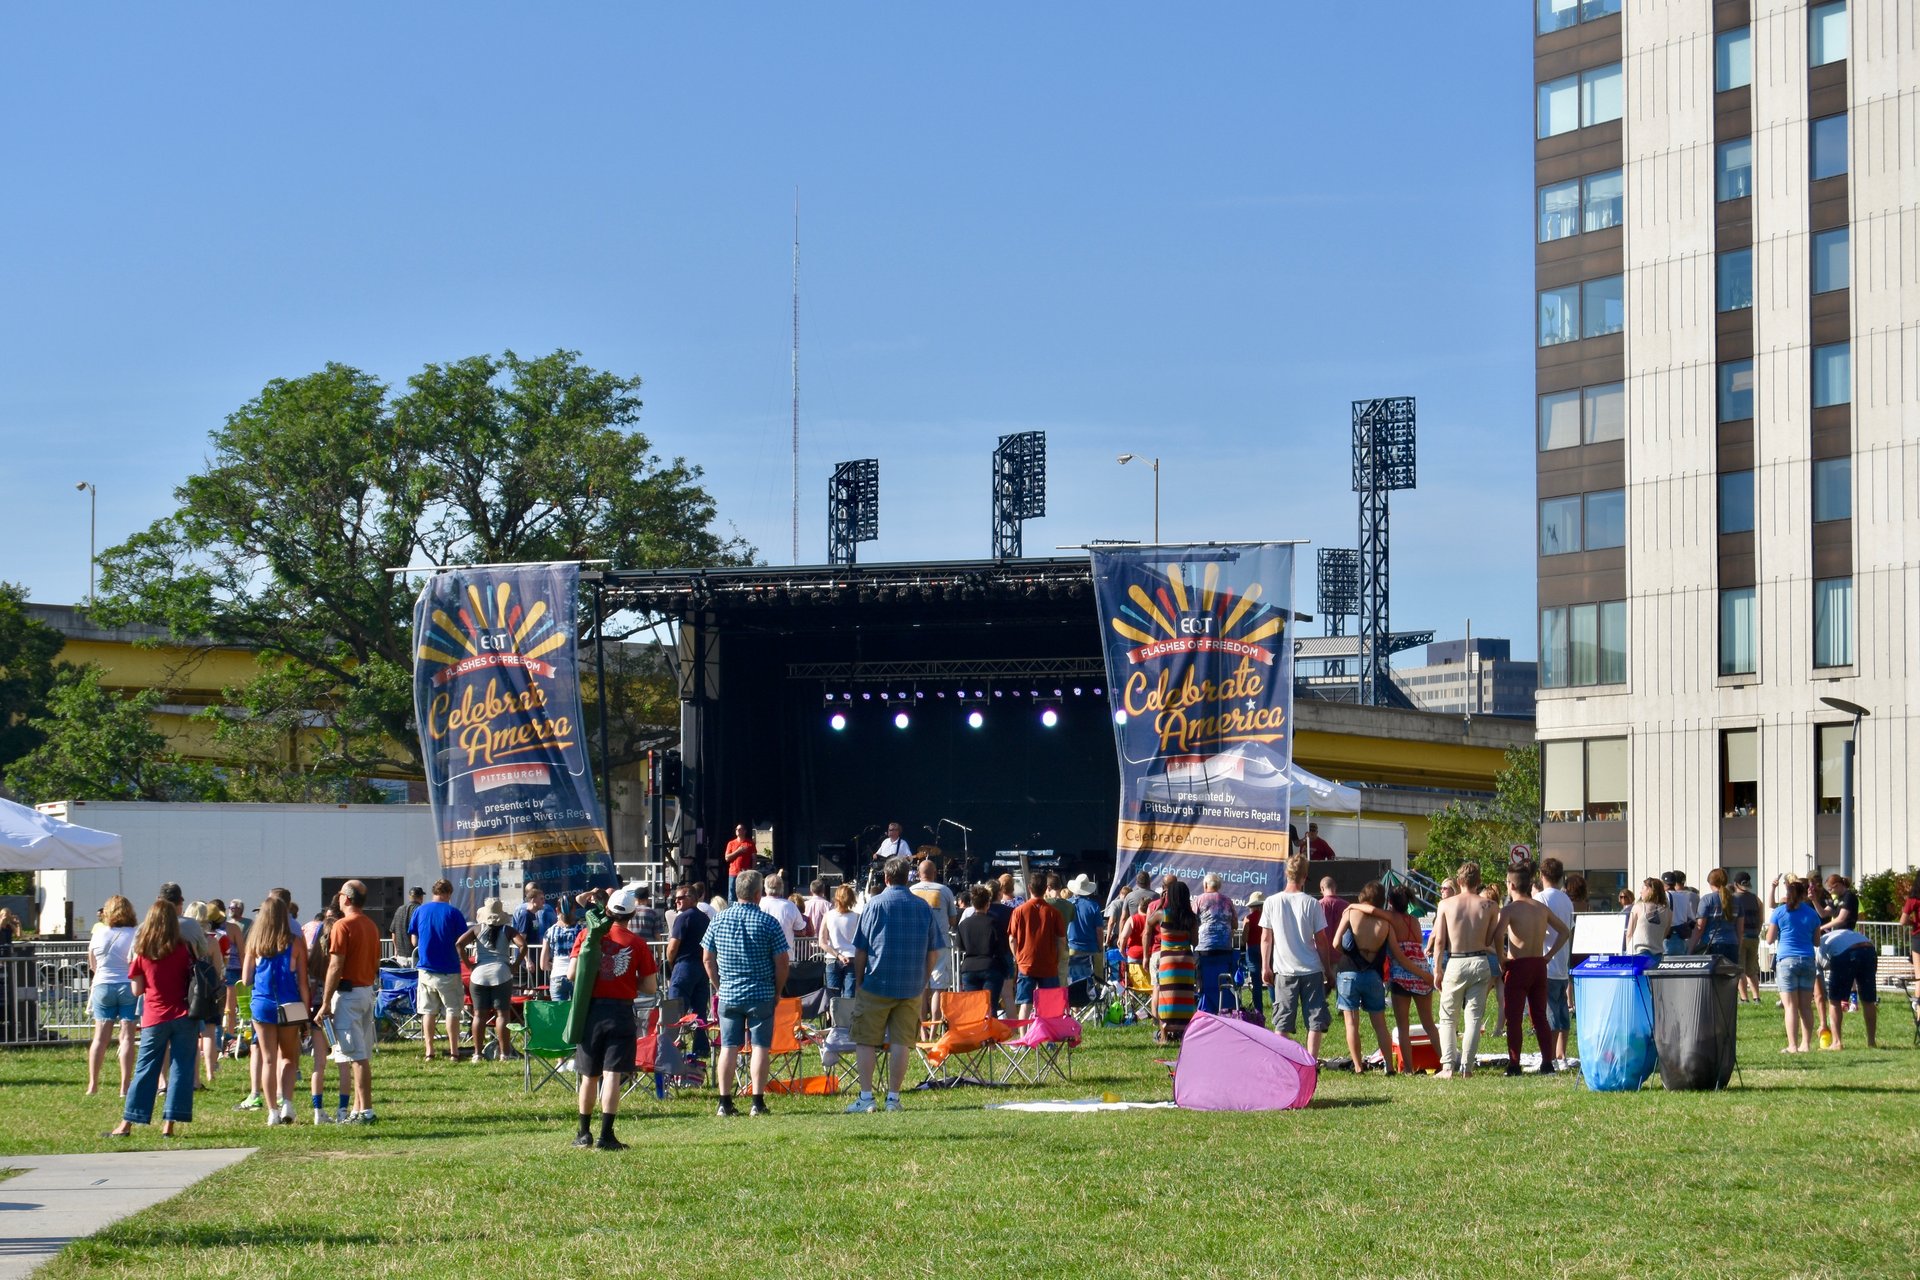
[(1082, 886), (1255, 898), (492, 912)]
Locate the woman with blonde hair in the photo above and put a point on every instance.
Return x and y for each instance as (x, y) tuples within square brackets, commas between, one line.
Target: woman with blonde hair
[(159, 972), (275, 967), (1650, 920), (110, 998)]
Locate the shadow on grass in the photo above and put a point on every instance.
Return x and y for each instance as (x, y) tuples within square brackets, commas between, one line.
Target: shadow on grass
[(1327, 1104), (222, 1235)]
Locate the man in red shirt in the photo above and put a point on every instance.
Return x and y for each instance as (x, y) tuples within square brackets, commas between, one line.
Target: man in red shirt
[(605, 1052), (353, 979), (1037, 933), (1318, 850), (741, 855)]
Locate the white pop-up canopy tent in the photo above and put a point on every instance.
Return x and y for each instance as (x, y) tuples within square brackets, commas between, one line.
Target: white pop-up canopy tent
[(33, 841), (1311, 792)]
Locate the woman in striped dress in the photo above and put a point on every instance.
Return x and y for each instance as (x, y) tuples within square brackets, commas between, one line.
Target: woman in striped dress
[(1174, 969)]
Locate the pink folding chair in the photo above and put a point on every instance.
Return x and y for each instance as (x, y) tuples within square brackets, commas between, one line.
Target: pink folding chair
[(1043, 1045)]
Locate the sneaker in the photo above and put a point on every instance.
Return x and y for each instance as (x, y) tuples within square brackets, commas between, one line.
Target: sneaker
[(252, 1102), (759, 1109), (275, 1120), (320, 1116), (861, 1106), (893, 1104), (1513, 1068), (582, 1139), (609, 1144), (361, 1117), (341, 1115), (726, 1108)]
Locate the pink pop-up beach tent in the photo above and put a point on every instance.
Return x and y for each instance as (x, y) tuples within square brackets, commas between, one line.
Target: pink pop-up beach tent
[(1229, 1065)]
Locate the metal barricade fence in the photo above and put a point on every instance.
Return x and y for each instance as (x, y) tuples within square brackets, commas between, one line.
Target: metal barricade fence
[(43, 994)]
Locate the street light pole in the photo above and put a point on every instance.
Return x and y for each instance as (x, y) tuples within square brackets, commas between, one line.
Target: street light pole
[(93, 529), (1124, 459), (1847, 753)]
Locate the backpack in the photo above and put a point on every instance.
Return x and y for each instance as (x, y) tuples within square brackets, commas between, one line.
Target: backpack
[(206, 992)]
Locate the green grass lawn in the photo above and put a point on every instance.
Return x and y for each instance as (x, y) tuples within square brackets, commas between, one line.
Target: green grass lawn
[(1810, 1166)]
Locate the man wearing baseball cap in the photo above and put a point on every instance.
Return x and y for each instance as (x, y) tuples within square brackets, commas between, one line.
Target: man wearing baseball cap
[(605, 1052)]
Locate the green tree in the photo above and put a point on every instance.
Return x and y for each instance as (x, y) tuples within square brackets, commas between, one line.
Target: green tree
[(320, 484), (284, 738), (28, 648), (98, 745), (1484, 831)]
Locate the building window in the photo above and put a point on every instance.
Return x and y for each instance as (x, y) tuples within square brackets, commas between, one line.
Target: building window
[(1606, 798), (1559, 525), (1603, 307), (1560, 210), (1736, 502), (1606, 519), (1603, 200), (1559, 315), (1563, 785), (1829, 755), (1832, 489), (1830, 260), (1735, 271), (1826, 33), (1558, 15), (1833, 622), (1833, 375), (1733, 170), (1738, 639), (1604, 409), (1732, 59), (1740, 773), (1574, 102), (1827, 147), (1583, 644), (1736, 390), (1560, 420)]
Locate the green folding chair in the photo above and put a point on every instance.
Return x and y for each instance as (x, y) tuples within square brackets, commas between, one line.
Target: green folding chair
[(546, 1041)]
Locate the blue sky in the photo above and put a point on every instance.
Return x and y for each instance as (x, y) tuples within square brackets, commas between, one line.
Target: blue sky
[(1198, 233)]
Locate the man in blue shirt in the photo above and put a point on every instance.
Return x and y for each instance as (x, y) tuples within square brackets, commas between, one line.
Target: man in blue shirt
[(433, 929), (1086, 961), (747, 959), (898, 943), (533, 917)]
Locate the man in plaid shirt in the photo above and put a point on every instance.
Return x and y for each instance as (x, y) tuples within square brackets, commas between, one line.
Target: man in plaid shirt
[(649, 922), (747, 958), (898, 943)]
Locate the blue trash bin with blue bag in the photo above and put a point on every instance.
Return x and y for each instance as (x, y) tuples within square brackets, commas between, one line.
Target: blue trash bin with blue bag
[(1616, 1021)]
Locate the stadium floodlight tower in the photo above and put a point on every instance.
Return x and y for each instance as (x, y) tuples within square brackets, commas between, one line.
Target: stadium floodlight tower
[(1382, 462), (1339, 595), (853, 508), (1019, 488)]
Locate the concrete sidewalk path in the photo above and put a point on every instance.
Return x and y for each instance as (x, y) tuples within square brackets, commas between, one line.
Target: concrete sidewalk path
[(62, 1198)]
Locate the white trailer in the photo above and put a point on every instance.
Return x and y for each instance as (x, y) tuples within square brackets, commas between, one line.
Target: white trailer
[(240, 851)]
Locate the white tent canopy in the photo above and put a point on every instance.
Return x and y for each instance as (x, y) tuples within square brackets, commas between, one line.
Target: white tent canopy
[(32, 841), (1311, 791)]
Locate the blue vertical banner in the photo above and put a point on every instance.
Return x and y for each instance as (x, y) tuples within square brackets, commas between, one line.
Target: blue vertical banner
[(1199, 650), (496, 694)]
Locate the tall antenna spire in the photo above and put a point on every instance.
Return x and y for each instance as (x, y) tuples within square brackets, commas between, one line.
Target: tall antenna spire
[(796, 374)]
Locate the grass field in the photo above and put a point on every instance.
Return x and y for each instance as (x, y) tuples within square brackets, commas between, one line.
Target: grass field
[(1810, 1166)]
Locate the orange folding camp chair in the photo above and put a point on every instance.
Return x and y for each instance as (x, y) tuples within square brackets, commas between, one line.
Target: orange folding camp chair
[(964, 1052)]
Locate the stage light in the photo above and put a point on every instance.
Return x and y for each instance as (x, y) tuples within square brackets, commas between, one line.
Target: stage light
[(1097, 691), (975, 719), (1049, 717), (979, 693), (1120, 717), (939, 693), (918, 695), (1033, 693), (1056, 692), (885, 696), (997, 693), (900, 720), (1076, 691), (836, 722), (866, 697)]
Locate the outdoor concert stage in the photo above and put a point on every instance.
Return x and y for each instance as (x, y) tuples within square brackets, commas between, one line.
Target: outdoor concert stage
[(770, 656)]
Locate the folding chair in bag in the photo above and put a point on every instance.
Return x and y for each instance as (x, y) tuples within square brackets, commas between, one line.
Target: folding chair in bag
[(1045, 1042), (545, 1042), (396, 1004), (965, 1051), (837, 1050)]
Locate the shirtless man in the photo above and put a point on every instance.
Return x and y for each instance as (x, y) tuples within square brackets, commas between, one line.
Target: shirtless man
[(1523, 925), (1464, 930)]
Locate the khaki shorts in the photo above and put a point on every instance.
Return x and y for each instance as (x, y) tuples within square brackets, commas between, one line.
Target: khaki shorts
[(878, 1020), (354, 1032), (1750, 958), (439, 995)]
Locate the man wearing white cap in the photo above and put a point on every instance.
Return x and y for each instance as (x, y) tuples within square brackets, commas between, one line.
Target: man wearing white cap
[(605, 1052), (1086, 959)]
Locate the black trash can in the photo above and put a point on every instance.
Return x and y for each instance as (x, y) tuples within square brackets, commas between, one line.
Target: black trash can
[(1696, 1011)]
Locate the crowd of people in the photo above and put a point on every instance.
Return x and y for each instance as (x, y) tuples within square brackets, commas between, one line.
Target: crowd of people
[(311, 989)]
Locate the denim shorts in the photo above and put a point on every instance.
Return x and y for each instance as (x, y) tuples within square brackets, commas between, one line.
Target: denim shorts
[(1793, 973), (1557, 1017), (1361, 992), (741, 1025), (1024, 986), (114, 1002)]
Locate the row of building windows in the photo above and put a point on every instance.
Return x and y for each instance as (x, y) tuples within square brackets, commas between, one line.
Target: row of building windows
[(1832, 495), (1832, 368), (1591, 415), (1830, 272), (1558, 15), (1579, 101), (1832, 627), (1826, 42), (1588, 415), (1583, 522), (1586, 780), (1592, 203), (1583, 644)]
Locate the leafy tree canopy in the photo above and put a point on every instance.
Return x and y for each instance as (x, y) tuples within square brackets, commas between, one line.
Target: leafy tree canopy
[(321, 483), (1484, 832), (28, 648), (98, 745)]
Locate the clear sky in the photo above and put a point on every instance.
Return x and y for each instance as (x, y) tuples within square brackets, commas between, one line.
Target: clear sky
[(1197, 232)]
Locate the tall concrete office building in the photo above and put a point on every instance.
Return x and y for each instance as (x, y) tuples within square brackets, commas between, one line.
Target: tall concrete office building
[(1727, 230)]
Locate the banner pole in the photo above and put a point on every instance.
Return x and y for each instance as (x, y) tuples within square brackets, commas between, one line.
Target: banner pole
[(600, 697)]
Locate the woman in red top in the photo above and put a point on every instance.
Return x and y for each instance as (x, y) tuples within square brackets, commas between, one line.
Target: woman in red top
[(159, 971)]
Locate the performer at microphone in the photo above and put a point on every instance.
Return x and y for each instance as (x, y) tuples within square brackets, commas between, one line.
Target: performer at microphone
[(894, 846)]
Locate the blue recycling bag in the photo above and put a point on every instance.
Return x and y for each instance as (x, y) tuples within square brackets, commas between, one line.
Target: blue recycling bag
[(1615, 1007)]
